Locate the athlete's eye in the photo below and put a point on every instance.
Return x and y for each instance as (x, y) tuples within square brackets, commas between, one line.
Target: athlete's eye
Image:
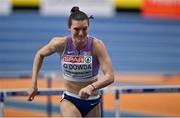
[(76, 29), (84, 29)]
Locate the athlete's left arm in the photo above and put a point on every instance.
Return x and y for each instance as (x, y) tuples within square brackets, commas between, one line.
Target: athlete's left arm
[(100, 51)]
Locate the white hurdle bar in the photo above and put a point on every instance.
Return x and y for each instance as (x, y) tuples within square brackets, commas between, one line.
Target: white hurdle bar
[(145, 89), (116, 90), (24, 92)]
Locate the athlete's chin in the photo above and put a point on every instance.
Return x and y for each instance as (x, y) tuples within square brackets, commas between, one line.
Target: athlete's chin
[(80, 40)]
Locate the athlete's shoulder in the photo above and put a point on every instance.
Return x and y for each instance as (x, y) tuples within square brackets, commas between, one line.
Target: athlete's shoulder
[(58, 40), (98, 47), (97, 42), (58, 43)]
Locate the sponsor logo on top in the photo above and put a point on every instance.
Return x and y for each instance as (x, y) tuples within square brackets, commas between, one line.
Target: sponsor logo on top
[(78, 59)]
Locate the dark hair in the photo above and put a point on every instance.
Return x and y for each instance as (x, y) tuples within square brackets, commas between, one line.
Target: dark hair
[(76, 14)]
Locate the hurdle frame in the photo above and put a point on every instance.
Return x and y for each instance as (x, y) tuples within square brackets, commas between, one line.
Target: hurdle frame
[(116, 90)]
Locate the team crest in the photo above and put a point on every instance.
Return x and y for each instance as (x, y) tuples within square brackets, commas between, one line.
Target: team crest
[(88, 59)]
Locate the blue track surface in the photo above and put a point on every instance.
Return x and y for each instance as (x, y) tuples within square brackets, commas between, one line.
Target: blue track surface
[(135, 44)]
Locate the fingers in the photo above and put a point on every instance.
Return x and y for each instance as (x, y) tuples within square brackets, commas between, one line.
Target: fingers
[(32, 94), (84, 93), (31, 98)]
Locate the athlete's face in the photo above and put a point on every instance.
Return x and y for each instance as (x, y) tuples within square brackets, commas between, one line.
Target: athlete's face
[(79, 30)]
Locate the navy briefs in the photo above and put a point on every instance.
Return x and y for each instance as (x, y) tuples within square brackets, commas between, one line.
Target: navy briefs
[(83, 105)]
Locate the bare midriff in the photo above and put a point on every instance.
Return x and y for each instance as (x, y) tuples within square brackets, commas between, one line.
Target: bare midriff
[(75, 87)]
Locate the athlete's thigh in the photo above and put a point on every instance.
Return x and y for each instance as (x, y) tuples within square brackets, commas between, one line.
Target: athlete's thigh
[(67, 109), (95, 112)]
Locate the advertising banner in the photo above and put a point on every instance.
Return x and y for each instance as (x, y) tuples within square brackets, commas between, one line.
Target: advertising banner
[(104, 8), (5, 7), (161, 8)]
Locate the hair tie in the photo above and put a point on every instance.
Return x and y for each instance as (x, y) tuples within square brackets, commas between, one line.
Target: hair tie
[(91, 17)]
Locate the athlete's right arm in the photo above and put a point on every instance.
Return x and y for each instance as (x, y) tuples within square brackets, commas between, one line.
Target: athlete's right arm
[(53, 46)]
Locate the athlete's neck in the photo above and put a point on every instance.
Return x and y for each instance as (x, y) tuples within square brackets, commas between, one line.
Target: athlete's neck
[(79, 45)]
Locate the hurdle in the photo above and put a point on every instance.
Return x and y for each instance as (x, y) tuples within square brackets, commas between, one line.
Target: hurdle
[(24, 92), (116, 90), (139, 90)]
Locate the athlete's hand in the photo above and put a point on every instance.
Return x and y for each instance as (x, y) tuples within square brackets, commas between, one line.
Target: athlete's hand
[(32, 93), (85, 92)]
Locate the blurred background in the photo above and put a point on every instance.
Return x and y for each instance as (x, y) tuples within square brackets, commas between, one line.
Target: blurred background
[(142, 38)]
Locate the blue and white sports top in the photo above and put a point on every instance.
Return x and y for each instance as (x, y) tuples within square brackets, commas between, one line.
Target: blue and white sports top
[(79, 65)]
